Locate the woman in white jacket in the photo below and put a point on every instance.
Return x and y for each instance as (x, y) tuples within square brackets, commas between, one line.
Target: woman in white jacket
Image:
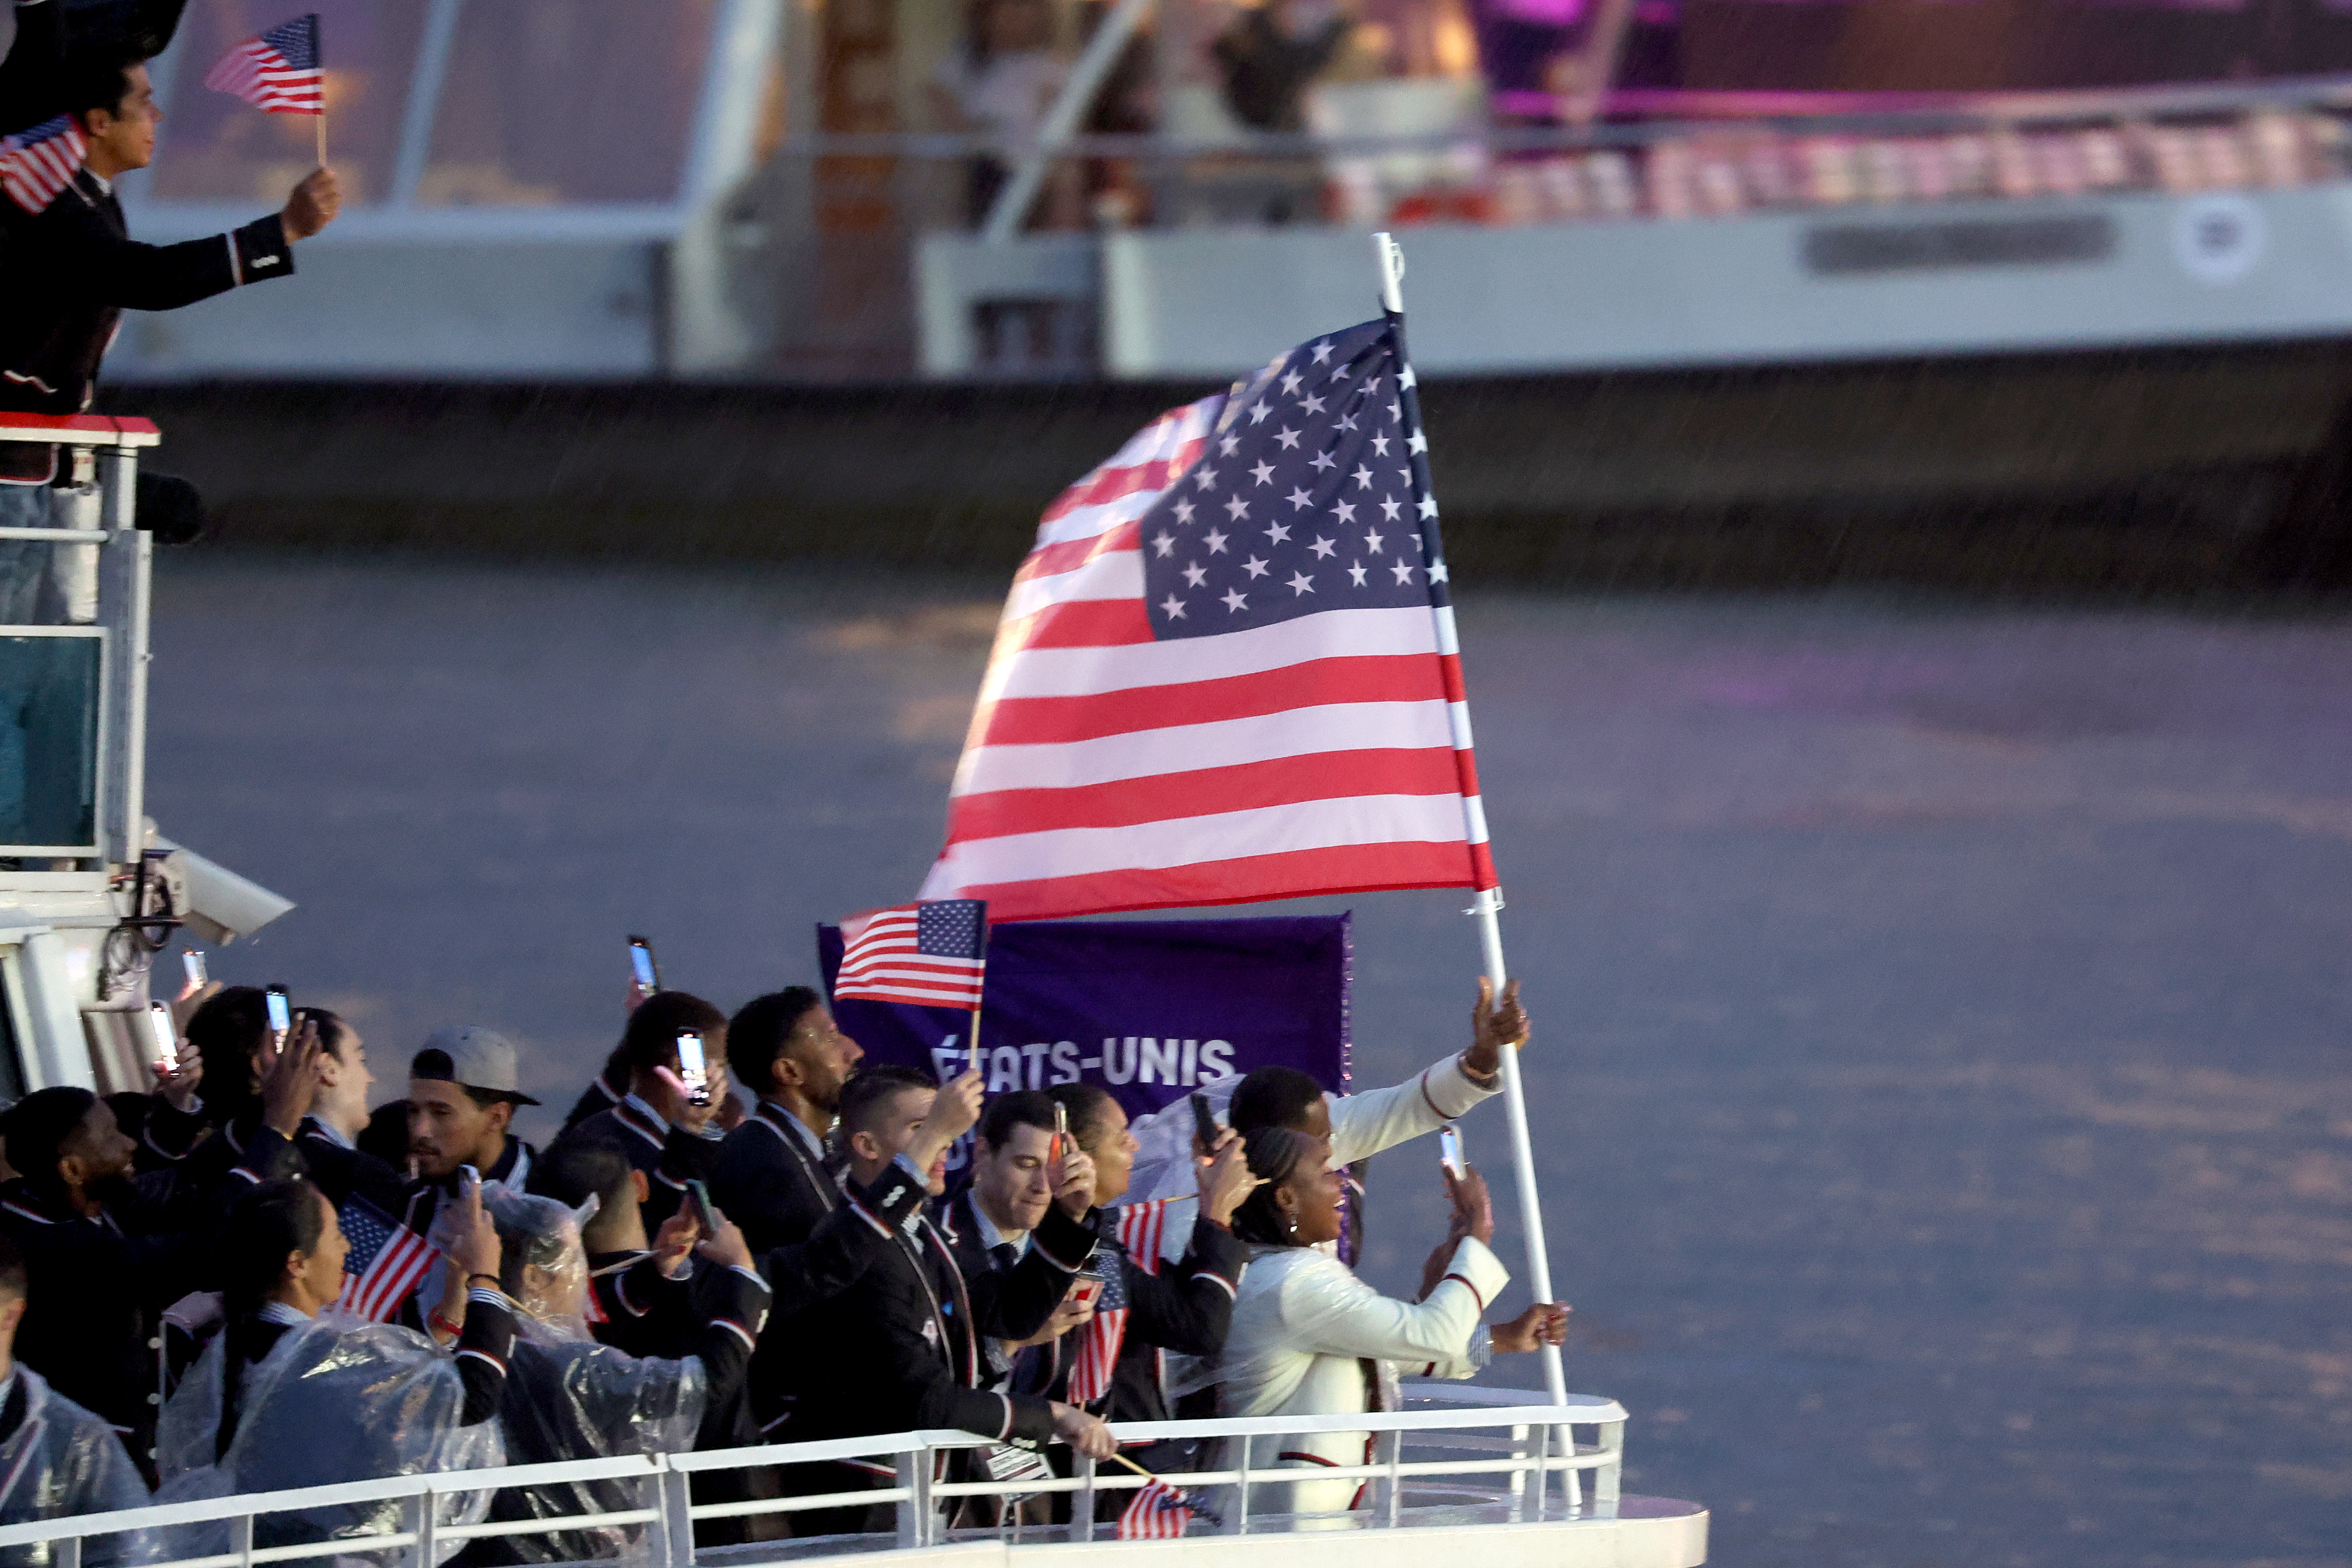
[(1308, 1338)]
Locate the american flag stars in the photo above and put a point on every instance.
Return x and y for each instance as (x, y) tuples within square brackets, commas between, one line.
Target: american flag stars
[(1322, 433)]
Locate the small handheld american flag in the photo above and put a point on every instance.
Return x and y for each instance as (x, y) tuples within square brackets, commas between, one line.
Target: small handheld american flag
[(1099, 1341), (278, 72), (36, 164), (1159, 1513), (928, 955), (387, 1260)]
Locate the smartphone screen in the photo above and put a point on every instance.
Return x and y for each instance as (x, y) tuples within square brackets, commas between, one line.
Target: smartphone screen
[(1204, 1121), (692, 1070), (191, 962), (1449, 1153), (642, 966), (704, 1215), (167, 1038), (281, 1016)]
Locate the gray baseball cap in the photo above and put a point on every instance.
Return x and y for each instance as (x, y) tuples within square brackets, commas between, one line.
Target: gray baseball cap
[(479, 1059)]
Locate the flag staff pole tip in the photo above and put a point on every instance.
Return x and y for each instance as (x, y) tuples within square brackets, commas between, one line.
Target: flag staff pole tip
[(1391, 260)]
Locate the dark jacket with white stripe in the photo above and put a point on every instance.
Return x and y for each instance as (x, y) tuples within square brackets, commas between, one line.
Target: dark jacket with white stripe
[(811, 1240), (903, 1347), (98, 1289), (70, 272), (669, 1156)]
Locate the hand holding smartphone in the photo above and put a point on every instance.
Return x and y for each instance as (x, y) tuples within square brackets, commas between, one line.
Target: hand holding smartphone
[(1449, 1153), (645, 974), (167, 1041), (697, 1197), (1204, 1123), (693, 1071)]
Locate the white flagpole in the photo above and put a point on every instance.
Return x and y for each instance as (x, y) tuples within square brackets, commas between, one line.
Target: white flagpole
[(1488, 902)]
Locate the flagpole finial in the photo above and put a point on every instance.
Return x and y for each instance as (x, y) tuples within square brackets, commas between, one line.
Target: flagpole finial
[(1391, 259)]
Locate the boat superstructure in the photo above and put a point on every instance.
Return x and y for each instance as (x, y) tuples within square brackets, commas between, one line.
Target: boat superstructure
[(89, 892)]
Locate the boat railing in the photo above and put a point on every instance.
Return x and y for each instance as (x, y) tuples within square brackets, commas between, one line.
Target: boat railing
[(1465, 1457)]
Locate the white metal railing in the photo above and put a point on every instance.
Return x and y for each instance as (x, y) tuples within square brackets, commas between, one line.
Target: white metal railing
[(1511, 1445)]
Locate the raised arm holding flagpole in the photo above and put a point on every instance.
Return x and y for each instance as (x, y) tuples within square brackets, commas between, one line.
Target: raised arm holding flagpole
[(1228, 672)]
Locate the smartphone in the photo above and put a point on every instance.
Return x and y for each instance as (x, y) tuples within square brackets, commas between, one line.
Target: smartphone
[(191, 962), (692, 1071), (1061, 1132), (1083, 1292), (1204, 1121), (642, 967), (281, 1015), (167, 1039), (1449, 1153), (705, 1216)]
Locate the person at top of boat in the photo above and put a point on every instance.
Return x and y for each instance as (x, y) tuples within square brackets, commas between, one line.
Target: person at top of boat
[(59, 1458), (669, 1136), (1308, 1338)]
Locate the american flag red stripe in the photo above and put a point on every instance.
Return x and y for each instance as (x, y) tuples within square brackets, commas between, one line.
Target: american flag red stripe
[(1140, 1228), (1110, 767), (278, 72), (1158, 1513), (378, 1293), (396, 1260), (36, 164)]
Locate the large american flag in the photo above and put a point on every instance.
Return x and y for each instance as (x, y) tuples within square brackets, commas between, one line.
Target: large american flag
[(386, 1261), (279, 71), (36, 164), (928, 953), (1227, 671)]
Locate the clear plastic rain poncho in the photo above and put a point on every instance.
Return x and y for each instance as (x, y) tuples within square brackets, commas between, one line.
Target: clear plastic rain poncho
[(336, 1399), (62, 1460), (569, 1397)]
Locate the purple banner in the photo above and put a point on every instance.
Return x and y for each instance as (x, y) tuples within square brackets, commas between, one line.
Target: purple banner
[(1146, 1008)]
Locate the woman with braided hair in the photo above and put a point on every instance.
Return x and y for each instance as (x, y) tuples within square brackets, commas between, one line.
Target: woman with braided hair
[(1308, 1338)]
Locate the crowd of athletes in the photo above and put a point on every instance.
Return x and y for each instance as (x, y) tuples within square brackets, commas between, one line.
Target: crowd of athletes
[(266, 1273)]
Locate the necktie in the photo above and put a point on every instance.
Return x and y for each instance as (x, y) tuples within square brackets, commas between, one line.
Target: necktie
[(1004, 1255)]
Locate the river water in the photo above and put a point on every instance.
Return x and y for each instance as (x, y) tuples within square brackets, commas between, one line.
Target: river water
[(1940, 1076)]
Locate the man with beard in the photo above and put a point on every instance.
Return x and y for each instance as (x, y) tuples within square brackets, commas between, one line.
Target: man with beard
[(462, 1095), (771, 1177), (772, 1181), (108, 1250)]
